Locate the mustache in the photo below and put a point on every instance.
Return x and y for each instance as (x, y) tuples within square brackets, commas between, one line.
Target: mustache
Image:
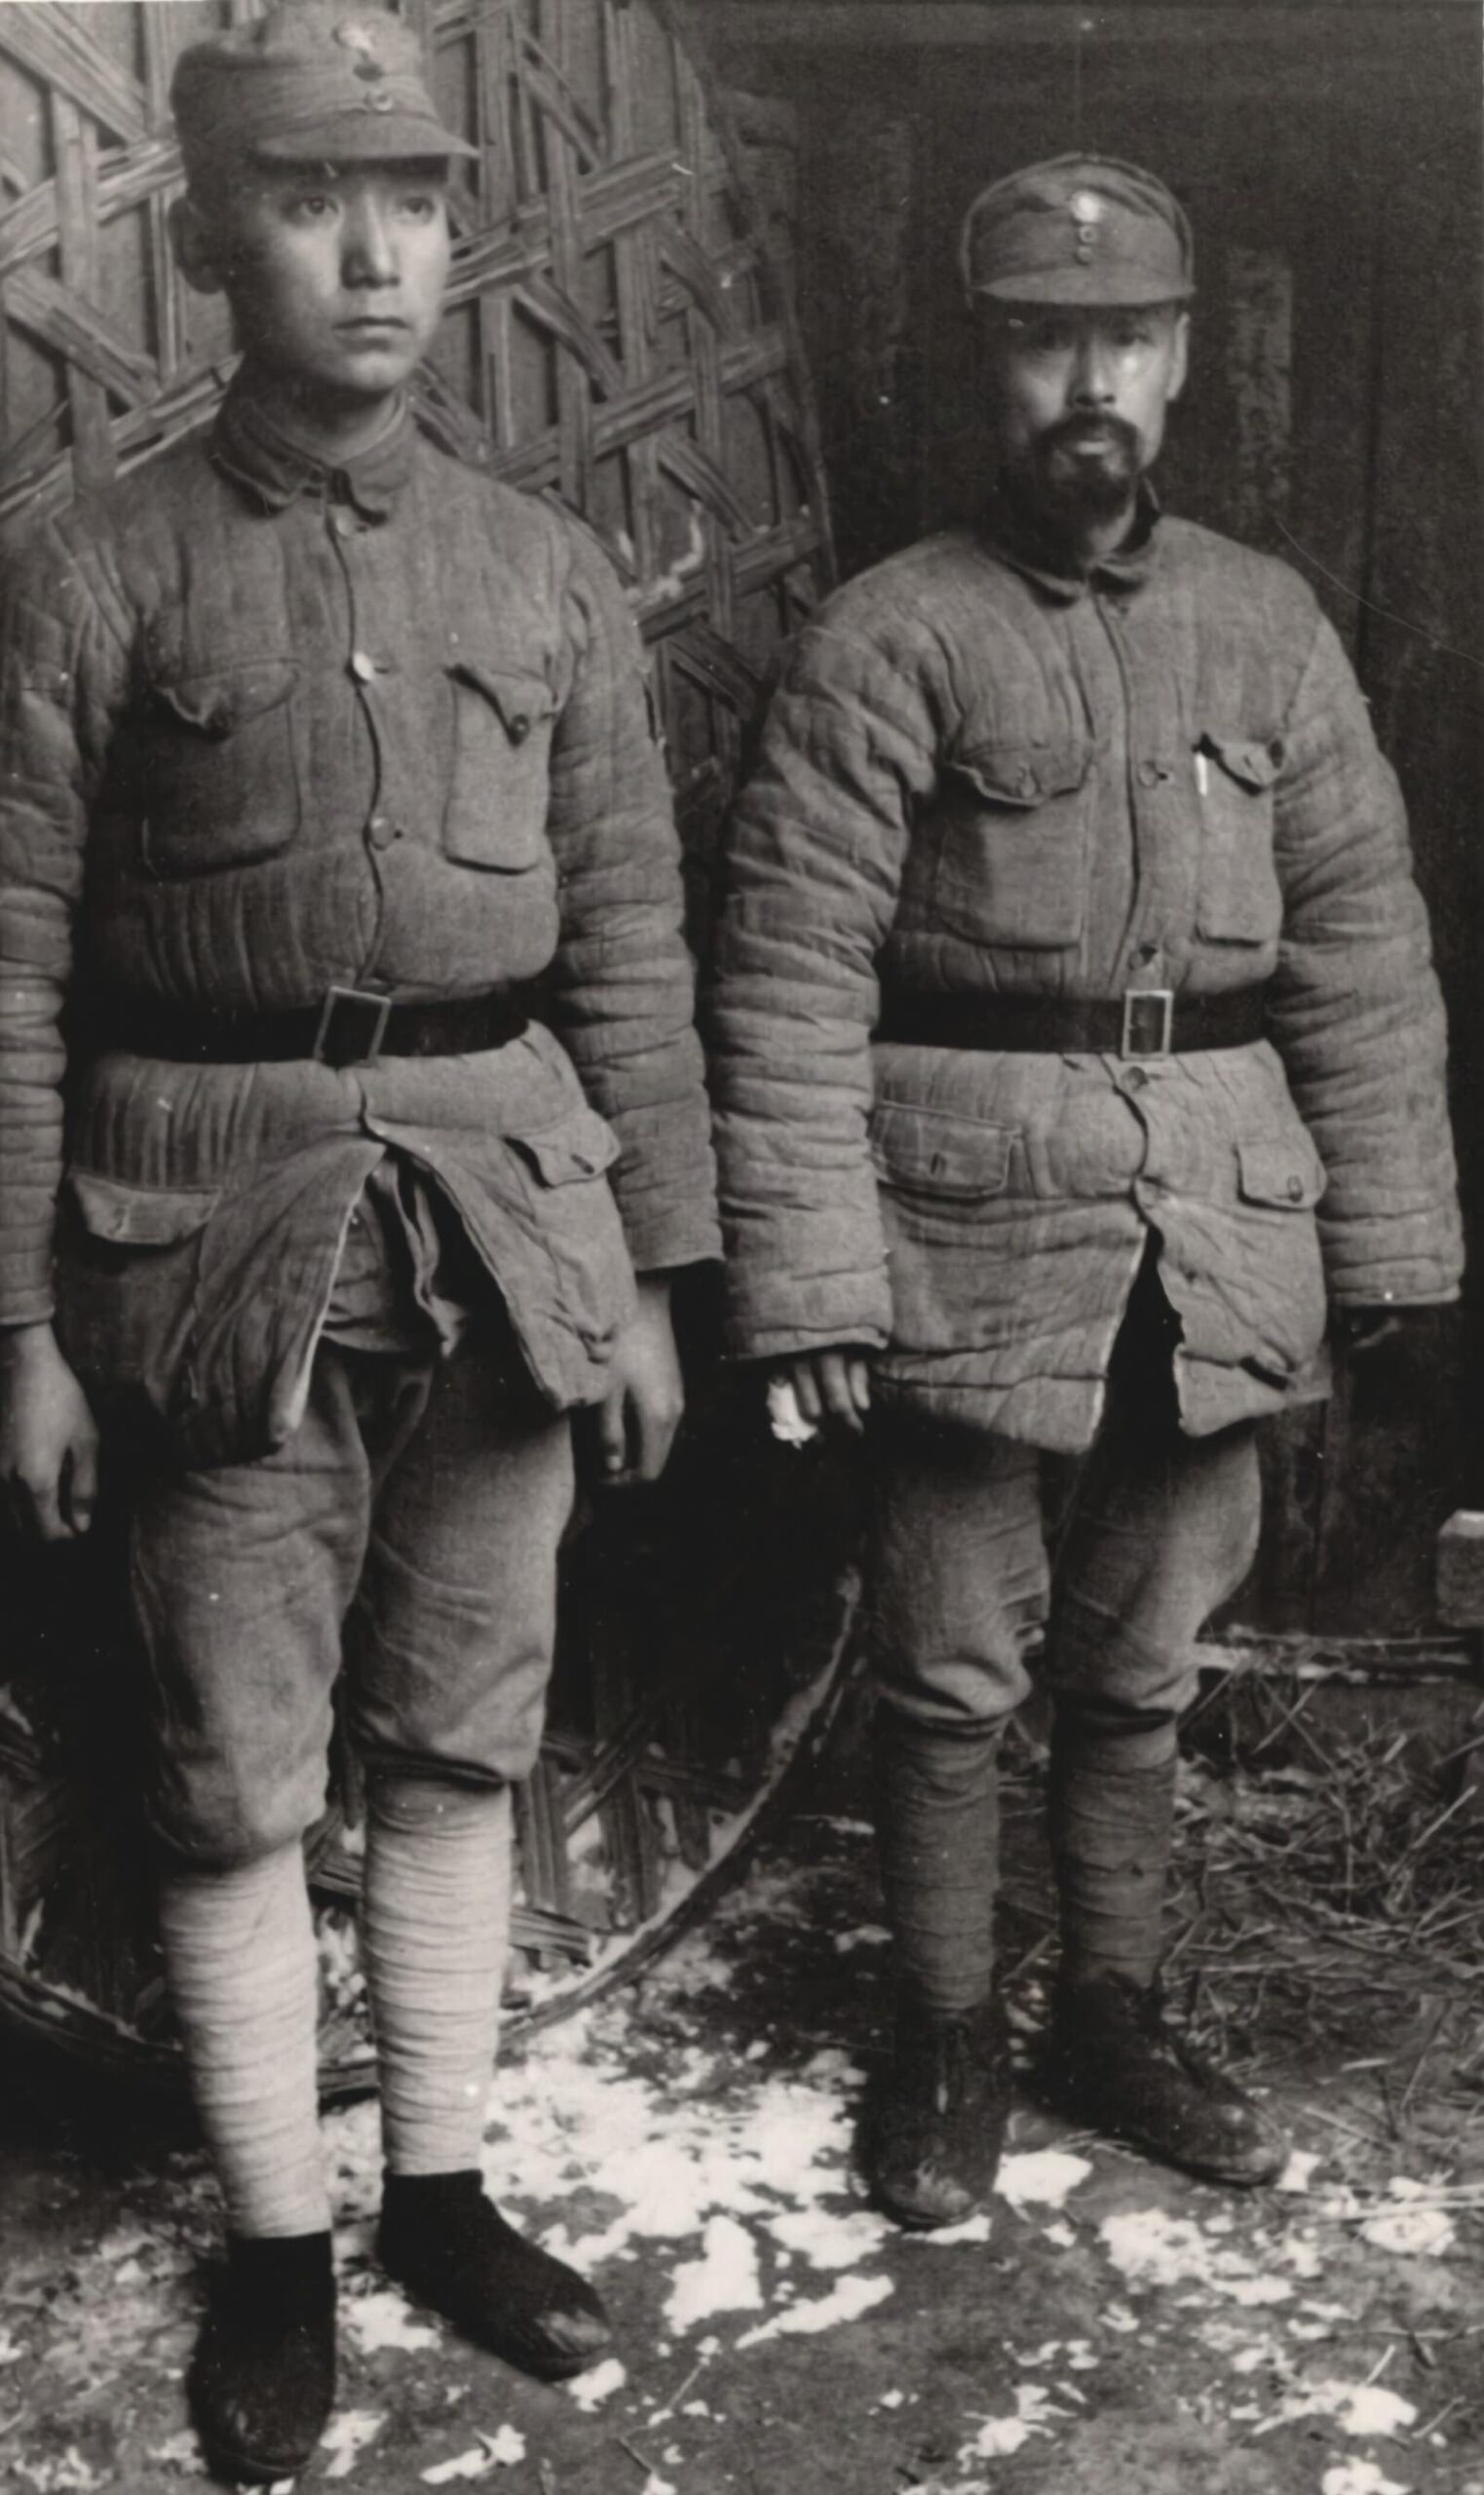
[(1072, 431)]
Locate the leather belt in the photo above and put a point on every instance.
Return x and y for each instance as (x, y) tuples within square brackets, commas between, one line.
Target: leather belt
[(1145, 1022), (348, 1027)]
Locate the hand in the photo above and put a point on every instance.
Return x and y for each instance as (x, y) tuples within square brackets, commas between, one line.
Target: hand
[(1357, 1331), (641, 1410), (48, 1436), (831, 1387)]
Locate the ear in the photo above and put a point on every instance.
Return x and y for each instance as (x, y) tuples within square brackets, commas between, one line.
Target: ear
[(195, 246), (1180, 357)]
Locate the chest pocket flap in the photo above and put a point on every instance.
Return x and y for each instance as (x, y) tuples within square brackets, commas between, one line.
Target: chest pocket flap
[(1008, 842), (1254, 761), (1017, 774), (217, 775), (499, 787)]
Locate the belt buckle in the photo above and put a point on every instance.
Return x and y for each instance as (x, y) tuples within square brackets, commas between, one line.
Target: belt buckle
[(1149, 1017), (349, 1017)]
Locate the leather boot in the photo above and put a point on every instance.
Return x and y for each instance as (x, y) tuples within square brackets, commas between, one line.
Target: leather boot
[(449, 2247), (1114, 2064), (933, 2125), (262, 2381)]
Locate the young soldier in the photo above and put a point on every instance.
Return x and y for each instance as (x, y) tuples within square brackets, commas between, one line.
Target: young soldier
[(316, 745), (1071, 957)]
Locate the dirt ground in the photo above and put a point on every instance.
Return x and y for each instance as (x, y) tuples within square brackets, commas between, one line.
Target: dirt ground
[(1111, 2328)]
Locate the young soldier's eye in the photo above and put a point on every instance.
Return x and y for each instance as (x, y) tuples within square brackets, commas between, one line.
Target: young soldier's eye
[(309, 208)]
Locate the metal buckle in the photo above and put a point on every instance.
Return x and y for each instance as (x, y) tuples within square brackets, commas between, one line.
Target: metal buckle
[(349, 1017), (1149, 1017)]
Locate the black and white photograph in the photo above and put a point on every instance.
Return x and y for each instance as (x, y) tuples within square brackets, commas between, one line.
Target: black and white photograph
[(742, 1172)]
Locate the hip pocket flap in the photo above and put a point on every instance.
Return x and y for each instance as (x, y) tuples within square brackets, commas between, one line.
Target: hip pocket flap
[(1287, 1174), (939, 1154), (583, 1145), (134, 1216)]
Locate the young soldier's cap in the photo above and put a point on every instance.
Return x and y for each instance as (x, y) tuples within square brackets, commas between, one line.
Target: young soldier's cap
[(1078, 229), (313, 81)]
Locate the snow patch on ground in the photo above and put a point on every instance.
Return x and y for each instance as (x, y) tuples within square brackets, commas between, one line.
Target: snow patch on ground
[(999, 2436), (1359, 2478), (1153, 2249), (1042, 2176), (846, 2302), (974, 2230), (502, 2449), (724, 2280), (598, 2383), (347, 2436), (830, 2240), (381, 2318), (1356, 2407)]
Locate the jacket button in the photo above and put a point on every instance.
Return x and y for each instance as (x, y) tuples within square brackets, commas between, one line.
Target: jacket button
[(1296, 1191), (383, 831), (364, 667), (345, 523), (1026, 784), (519, 728), (1151, 773), (1135, 1079)]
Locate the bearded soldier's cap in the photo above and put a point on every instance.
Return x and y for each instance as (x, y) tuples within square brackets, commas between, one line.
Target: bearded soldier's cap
[(1078, 229), (312, 83)]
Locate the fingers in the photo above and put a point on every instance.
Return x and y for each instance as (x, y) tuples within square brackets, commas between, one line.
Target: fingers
[(806, 1392), (78, 1483), (840, 1376), (612, 1434), (41, 1509)]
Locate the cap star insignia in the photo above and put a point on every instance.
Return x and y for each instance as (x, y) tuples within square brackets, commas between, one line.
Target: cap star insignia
[(1086, 207), (360, 38)]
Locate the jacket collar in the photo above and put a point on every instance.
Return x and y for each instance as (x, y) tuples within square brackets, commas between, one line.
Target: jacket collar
[(1018, 535), (257, 453)]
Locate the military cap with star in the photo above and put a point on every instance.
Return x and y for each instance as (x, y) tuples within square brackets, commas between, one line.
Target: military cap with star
[(310, 83), (1078, 229)]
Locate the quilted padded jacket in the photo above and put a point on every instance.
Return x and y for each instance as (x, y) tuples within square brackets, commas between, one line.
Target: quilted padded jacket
[(980, 777), (267, 728)]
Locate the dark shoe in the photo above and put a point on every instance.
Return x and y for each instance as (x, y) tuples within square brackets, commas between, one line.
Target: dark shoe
[(262, 2381), (1114, 2064), (450, 2247), (933, 2125)]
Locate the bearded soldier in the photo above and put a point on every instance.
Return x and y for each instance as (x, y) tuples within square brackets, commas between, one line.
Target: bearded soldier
[(1079, 1069)]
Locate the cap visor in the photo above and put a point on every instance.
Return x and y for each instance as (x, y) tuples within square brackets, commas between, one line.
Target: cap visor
[(359, 138), (1130, 286)]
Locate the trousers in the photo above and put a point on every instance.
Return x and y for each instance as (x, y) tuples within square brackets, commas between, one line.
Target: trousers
[(402, 1542), (1159, 1530)]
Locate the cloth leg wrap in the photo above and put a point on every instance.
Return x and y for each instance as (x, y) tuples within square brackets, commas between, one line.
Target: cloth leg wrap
[(1112, 1814), (938, 1837), (239, 1959), (435, 1922)]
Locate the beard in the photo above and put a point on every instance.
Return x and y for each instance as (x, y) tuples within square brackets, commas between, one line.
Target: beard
[(1084, 469)]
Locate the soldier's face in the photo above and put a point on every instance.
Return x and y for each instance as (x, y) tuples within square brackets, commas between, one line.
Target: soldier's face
[(1081, 396), (337, 275)]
